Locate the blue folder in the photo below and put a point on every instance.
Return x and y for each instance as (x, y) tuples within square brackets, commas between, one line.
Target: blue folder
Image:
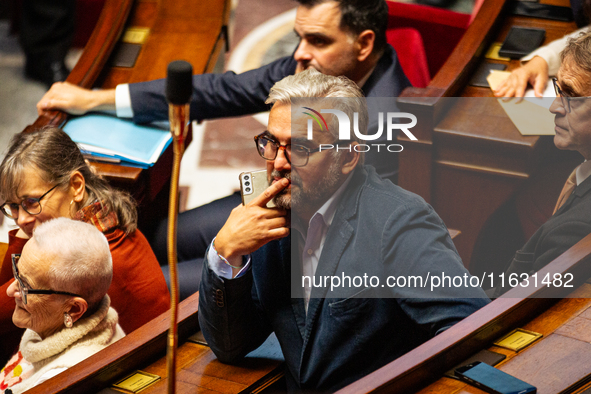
[(111, 139)]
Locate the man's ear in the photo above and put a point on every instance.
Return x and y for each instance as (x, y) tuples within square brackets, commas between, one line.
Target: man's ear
[(364, 43), (77, 186), (78, 307), (351, 159)]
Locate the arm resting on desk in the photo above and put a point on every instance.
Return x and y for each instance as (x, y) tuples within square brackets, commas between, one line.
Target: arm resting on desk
[(214, 95), (76, 100)]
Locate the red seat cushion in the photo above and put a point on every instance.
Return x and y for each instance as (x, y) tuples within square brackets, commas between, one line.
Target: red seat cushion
[(411, 53), (440, 29)]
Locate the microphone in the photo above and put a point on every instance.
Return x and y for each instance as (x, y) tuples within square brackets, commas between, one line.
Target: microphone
[(178, 82), (178, 94)]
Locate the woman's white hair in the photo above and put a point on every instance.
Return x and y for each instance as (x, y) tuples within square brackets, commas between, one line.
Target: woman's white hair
[(313, 84), (82, 262)]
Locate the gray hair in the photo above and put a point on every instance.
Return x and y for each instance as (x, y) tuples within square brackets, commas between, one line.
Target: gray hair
[(578, 48), (346, 95), (82, 262)]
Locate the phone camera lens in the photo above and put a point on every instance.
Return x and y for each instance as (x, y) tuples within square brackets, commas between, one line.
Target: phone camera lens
[(246, 177), (247, 183), (248, 189)]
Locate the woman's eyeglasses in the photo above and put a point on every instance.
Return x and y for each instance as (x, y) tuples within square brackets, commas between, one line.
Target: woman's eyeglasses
[(25, 290), (31, 205)]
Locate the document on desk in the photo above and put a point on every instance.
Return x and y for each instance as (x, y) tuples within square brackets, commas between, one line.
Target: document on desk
[(531, 115), (108, 138)]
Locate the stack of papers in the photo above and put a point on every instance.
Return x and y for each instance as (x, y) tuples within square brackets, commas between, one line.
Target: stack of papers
[(531, 115), (108, 138)]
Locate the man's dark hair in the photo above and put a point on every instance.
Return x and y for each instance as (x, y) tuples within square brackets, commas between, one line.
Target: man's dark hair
[(360, 15)]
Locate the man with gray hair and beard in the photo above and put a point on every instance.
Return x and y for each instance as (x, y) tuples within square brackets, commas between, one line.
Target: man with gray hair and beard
[(347, 223)]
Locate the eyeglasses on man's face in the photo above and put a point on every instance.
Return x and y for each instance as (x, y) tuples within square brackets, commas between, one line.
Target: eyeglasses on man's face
[(297, 155), (565, 99), (25, 289), (31, 205)]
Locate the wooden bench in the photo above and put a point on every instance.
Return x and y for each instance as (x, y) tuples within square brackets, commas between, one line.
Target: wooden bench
[(537, 308)]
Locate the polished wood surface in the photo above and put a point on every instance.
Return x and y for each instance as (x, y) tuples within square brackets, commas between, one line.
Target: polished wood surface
[(96, 53), (527, 307), (470, 159), (178, 29), (560, 360)]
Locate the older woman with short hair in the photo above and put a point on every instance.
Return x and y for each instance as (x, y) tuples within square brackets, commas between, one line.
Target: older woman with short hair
[(44, 176), (60, 291)]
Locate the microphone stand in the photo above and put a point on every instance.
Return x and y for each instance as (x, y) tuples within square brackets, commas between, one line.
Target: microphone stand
[(179, 126), (178, 93)]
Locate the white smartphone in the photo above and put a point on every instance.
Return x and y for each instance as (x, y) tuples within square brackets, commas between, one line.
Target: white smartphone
[(252, 184)]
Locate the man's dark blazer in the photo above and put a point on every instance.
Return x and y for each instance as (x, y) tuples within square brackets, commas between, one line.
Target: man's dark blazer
[(230, 94), (378, 229), (570, 224)]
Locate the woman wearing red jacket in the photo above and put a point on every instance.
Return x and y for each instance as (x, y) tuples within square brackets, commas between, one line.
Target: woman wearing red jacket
[(44, 176)]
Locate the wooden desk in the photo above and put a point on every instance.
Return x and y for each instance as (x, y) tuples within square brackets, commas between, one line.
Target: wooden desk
[(560, 360), (470, 161), (539, 309), (178, 29)]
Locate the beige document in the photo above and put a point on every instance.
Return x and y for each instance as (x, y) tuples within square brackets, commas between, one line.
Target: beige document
[(530, 115)]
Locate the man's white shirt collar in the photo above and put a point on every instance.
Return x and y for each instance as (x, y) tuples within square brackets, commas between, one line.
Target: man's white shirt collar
[(583, 172)]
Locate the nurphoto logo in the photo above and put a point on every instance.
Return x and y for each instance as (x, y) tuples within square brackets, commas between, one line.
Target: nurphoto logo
[(345, 129)]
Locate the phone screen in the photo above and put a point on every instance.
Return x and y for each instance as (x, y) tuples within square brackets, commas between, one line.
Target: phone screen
[(485, 356), (493, 380)]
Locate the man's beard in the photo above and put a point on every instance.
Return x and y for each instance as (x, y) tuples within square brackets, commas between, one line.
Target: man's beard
[(299, 197), (282, 199)]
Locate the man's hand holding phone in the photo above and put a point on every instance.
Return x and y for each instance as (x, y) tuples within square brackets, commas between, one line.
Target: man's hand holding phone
[(252, 225)]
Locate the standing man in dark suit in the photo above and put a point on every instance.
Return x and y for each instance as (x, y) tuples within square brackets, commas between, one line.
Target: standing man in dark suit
[(344, 221), (571, 220)]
